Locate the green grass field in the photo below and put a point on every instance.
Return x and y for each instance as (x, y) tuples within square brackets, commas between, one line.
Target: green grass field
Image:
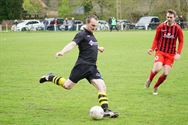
[(124, 65)]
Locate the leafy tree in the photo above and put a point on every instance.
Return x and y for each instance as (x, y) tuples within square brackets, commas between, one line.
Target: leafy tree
[(106, 7), (134, 9), (64, 8), (3, 13), (32, 7), (87, 6), (10, 9)]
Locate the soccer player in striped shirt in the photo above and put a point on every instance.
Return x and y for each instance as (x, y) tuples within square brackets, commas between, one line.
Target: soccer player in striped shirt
[(164, 44)]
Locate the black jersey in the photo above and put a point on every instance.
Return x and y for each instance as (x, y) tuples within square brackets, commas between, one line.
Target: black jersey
[(88, 47)]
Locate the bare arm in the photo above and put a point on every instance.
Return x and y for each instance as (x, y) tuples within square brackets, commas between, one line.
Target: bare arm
[(66, 49)]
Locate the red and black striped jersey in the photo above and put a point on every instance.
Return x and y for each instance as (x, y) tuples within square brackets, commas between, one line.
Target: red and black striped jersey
[(166, 37)]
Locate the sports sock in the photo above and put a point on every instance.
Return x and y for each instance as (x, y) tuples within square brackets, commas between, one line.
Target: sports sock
[(103, 100), (152, 75), (160, 80), (57, 80)]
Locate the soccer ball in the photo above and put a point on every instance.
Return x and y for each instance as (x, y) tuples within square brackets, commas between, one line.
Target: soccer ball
[(96, 112)]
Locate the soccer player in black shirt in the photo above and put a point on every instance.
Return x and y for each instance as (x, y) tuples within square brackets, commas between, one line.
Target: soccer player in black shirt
[(85, 66)]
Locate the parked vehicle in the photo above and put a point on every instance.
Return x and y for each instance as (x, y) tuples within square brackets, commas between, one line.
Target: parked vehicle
[(76, 26), (147, 22), (52, 23), (30, 25), (125, 24), (103, 25)]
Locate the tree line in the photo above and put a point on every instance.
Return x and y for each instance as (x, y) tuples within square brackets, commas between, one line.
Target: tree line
[(121, 9)]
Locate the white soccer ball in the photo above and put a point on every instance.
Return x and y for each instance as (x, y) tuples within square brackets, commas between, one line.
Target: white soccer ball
[(96, 112)]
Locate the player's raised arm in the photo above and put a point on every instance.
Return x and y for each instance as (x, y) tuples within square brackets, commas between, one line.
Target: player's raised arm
[(66, 49)]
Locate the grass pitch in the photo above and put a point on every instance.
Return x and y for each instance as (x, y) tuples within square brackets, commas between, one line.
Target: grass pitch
[(124, 65)]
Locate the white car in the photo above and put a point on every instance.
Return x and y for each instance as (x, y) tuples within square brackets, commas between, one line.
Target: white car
[(103, 25), (30, 25)]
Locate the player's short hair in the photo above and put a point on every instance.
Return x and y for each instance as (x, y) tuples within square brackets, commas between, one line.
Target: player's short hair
[(88, 19), (171, 12)]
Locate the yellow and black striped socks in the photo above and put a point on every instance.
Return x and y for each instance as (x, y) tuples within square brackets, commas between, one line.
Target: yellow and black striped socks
[(58, 80), (103, 100)]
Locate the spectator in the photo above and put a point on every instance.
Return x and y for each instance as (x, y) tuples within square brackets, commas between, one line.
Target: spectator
[(66, 24), (14, 26), (110, 23), (72, 23), (55, 24), (45, 22), (181, 22), (16, 22), (114, 24)]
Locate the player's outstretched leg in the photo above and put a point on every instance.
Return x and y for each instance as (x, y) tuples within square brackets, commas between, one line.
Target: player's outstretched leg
[(52, 78), (46, 78), (103, 100)]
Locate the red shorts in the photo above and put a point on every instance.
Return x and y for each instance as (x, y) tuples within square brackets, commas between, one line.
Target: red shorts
[(165, 58)]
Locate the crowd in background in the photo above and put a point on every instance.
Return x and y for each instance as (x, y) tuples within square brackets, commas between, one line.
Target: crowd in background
[(70, 24)]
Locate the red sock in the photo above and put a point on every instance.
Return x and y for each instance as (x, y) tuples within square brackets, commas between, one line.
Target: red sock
[(160, 80), (152, 75)]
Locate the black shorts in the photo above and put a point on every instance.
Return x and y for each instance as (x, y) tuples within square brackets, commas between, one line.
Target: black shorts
[(82, 71)]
